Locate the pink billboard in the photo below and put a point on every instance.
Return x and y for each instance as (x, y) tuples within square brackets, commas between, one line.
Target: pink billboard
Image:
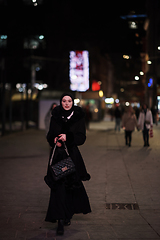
[(79, 71)]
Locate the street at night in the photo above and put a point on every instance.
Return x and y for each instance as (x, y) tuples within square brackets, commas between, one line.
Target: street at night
[(123, 190), (65, 66)]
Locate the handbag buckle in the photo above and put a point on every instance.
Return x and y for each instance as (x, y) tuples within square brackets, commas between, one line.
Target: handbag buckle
[(64, 169)]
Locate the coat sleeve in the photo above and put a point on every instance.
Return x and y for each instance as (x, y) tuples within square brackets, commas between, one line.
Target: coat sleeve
[(77, 134), (52, 133)]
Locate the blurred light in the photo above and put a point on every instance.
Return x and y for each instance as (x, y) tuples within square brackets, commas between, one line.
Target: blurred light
[(7, 86), (29, 91), (33, 1), (109, 100), (134, 16), (73, 76), (101, 93), (132, 25), (158, 47), (117, 100), (99, 82), (45, 85), (149, 62), (150, 82), (125, 56), (35, 4), (76, 101), (141, 73), (136, 78), (41, 37), (3, 36), (40, 86), (37, 69), (96, 110), (95, 86), (18, 85), (21, 87), (122, 89), (127, 104)]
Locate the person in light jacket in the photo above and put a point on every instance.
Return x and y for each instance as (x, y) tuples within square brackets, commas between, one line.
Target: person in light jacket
[(129, 122), (145, 122)]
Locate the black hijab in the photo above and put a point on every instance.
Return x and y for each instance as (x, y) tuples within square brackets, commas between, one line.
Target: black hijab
[(66, 113)]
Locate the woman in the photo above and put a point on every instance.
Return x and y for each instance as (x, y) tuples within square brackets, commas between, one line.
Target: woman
[(145, 122), (68, 196), (129, 122)]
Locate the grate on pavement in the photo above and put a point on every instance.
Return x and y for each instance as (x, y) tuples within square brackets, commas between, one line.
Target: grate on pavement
[(122, 206)]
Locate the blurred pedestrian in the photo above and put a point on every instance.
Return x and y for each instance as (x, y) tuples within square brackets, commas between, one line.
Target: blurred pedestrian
[(48, 117), (117, 115), (68, 195), (129, 122), (145, 122)]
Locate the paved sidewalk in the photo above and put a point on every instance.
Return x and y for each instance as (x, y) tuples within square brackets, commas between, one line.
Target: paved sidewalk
[(124, 189)]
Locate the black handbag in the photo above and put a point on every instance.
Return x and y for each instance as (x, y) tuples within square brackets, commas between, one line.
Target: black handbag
[(62, 168)]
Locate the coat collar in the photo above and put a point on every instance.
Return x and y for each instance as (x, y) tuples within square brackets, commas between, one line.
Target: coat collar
[(78, 114)]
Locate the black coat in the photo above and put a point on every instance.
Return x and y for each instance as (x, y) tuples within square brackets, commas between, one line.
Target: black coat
[(75, 135), (68, 196)]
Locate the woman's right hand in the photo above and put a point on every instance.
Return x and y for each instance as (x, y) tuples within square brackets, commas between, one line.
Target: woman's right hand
[(57, 143)]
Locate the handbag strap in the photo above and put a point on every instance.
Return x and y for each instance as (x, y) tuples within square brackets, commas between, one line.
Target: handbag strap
[(65, 148)]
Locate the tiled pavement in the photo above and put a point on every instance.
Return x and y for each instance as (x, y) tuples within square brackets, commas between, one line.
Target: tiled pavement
[(120, 176)]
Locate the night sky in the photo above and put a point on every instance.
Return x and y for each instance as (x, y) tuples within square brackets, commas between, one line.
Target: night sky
[(70, 25), (94, 21)]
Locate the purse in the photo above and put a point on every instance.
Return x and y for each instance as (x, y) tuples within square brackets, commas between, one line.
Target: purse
[(62, 168), (151, 132)]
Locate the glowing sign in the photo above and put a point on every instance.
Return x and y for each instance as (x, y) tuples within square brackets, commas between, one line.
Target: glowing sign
[(79, 71)]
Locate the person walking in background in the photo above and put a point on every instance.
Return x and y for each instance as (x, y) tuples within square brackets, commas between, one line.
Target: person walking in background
[(68, 195), (145, 122), (129, 122), (117, 114), (48, 117)]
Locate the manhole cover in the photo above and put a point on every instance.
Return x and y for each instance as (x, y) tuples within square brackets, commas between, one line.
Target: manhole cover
[(124, 206)]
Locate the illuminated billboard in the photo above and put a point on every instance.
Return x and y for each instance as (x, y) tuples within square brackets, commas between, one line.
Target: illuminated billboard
[(79, 71)]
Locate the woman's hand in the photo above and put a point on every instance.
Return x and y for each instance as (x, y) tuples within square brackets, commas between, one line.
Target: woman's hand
[(57, 143), (62, 137)]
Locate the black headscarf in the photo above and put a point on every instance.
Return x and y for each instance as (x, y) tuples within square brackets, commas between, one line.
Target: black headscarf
[(66, 113)]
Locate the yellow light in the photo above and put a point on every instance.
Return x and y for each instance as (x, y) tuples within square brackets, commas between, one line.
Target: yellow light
[(127, 104), (101, 93), (96, 110), (141, 73), (76, 101), (122, 89), (125, 56)]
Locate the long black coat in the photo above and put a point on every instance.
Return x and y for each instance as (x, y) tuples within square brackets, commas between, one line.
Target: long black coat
[(68, 196), (75, 135)]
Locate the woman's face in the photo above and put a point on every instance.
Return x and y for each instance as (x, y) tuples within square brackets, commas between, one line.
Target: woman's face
[(67, 102)]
